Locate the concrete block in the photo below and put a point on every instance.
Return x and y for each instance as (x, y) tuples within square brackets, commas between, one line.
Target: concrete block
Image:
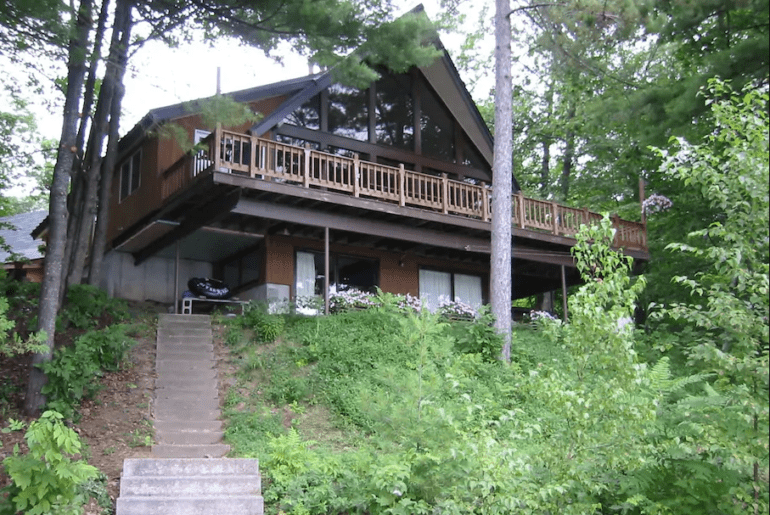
[(190, 451), (246, 505), (190, 467)]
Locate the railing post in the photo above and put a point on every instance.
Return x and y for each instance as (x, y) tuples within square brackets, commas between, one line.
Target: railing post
[(555, 215), (484, 202), (306, 174), (356, 182), (218, 146), (586, 219), (401, 185), (445, 193), (522, 210), (253, 146), (618, 230)]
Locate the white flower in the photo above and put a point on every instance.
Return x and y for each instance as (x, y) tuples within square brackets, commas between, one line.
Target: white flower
[(656, 203)]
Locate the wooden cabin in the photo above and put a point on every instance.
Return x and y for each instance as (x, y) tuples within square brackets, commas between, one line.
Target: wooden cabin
[(388, 186)]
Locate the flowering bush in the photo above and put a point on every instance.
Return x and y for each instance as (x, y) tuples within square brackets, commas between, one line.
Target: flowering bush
[(656, 203), (456, 309), (350, 299), (540, 316), (409, 303)]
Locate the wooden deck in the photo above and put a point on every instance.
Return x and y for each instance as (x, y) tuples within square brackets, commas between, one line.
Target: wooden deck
[(264, 159)]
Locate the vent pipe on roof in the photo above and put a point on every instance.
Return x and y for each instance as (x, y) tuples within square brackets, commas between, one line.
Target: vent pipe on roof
[(219, 76)]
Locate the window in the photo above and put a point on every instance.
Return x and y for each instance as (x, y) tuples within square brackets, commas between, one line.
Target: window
[(348, 113), (345, 273), (439, 287), (437, 128), (308, 115), (394, 122), (130, 173)]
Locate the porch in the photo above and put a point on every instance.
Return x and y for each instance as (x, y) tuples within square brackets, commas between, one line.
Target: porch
[(316, 171), (240, 193)]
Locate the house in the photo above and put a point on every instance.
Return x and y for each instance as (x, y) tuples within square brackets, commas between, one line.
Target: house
[(386, 186), (22, 258)]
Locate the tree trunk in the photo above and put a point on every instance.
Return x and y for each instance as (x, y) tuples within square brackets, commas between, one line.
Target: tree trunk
[(545, 165), (87, 213), (110, 158), (569, 153), (74, 200), (57, 212), (502, 180)]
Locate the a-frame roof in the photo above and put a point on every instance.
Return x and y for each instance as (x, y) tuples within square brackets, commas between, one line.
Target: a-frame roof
[(442, 76)]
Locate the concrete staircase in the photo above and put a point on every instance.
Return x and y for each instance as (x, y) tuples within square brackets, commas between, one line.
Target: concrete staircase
[(190, 487), (188, 475), (186, 409)]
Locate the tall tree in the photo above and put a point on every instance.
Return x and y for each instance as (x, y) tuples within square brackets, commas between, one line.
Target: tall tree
[(502, 180), (327, 30), (57, 212)]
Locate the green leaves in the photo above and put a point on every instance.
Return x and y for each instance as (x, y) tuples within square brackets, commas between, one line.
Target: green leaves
[(45, 479)]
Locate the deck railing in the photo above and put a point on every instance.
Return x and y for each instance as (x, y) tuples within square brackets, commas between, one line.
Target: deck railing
[(257, 157)]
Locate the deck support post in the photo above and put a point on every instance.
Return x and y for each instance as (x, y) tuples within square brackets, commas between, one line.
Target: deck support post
[(176, 279), (326, 270), (565, 315)]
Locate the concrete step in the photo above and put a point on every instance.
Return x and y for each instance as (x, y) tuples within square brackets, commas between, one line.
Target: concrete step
[(185, 355), (247, 505), (177, 347), (190, 451), (179, 414), (186, 402), (198, 383), (188, 437), (176, 368), (175, 374), (190, 486), (190, 395), (184, 337), (194, 426), (189, 467)]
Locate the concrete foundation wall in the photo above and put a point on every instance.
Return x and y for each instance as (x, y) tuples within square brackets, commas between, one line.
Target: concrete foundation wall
[(152, 280)]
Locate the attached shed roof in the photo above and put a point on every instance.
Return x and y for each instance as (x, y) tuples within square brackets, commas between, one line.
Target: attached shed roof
[(20, 239)]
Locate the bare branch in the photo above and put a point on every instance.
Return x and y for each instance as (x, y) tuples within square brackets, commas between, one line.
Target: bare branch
[(536, 6)]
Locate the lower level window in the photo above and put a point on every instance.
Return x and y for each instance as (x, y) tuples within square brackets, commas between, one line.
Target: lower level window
[(345, 273), (437, 288)]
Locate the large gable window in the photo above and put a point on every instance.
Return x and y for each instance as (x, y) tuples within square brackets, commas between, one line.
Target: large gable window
[(437, 288), (130, 174), (348, 113), (394, 123), (308, 115), (436, 128)]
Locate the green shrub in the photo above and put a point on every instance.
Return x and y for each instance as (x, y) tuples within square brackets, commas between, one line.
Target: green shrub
[(267, 327), (45, 480), (72, 373), (85, 304), (477, 336)]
